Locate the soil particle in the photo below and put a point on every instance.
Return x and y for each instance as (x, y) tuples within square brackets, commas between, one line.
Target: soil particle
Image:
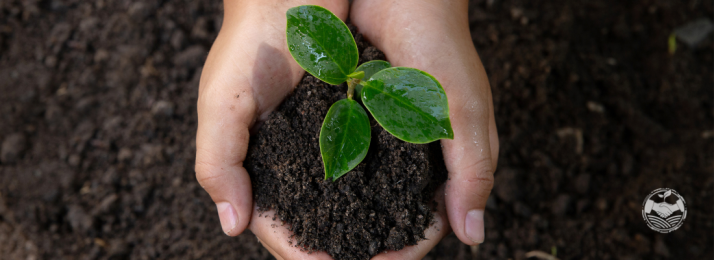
[(374, 247), (506, 185), (601, 204), (660, 247), (395, 239), (118, 248), (105, 204), (521, 209), (177, 39), (78, 218), (192, 57), (140, 10), (74, 160), (163, 109), (3, 208), (561, 205), (124, 154), (582, 183), (582, 205), (13, 146)]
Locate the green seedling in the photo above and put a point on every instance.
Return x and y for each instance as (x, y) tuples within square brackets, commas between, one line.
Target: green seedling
[(408, 103), (672, 43)]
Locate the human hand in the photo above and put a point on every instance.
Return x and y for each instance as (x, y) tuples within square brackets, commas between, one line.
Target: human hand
[(434, 36), (248, 72)]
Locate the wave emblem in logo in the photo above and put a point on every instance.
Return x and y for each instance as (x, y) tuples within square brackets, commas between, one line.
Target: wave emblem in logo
[(664, 210)]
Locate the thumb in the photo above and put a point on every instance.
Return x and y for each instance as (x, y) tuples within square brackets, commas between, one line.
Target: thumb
[(471, 160), (221, 146), (467, 190), (226, 110)]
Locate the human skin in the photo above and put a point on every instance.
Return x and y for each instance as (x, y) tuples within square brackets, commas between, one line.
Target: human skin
[(249, 71)]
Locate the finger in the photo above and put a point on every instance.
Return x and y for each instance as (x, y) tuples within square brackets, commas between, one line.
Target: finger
[(493, 132), (221, 145), (471, 156), (270, 250), (470, 167), (276, 237), (226, 109), (433, 234)]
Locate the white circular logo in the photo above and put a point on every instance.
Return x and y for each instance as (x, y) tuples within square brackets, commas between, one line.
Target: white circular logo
[(663, 212)]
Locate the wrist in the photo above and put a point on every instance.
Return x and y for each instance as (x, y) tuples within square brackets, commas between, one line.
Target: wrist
[(389, 23), (416, 10), (236, 10)]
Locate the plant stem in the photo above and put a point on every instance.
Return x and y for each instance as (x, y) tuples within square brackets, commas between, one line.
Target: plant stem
[(351, 87)]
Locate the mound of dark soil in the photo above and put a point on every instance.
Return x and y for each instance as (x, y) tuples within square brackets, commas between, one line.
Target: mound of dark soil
[(384, 203)]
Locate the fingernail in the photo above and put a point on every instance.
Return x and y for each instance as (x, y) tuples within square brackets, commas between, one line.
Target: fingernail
[(474, 225), (228, 216)]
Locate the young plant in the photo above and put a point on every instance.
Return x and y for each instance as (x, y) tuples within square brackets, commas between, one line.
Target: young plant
[(410, 104)]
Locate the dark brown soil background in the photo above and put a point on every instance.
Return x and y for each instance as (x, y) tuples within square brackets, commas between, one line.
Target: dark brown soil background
[(97, 122)]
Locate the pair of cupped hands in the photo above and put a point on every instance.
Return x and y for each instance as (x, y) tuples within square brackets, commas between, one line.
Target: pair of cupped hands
[(249, 71)]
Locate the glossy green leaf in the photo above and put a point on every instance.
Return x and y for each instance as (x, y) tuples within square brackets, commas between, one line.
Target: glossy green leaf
[(369, 69), (344, 137), (409, 103), (321, 43), (372, 67)]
